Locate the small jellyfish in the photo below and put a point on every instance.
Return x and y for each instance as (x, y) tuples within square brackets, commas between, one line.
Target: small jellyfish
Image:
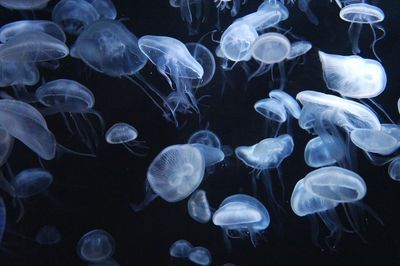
[(242, 216), (180, 249), (193, 13), (24, 4), (290, 104), (211, 155), (125, 134), (298, 49), (48, 235), (394, 169), (375, 141), (271, 109), (359, 14), (200, 256), (198, 207), (31, 182), (205, 137), (206, 59), (96, 246), (317, 154)]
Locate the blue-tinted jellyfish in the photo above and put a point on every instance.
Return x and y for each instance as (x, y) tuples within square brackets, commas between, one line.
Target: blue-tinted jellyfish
[(64, 96), (317, 154), (205, 137), (24, 4), (210, 154), (232, 5), (358, 15), (174, 174), (193, 13), (198, 207), (298, 49), (48, 235), (269, 14), (394, 169), (179, 67), (6, 146), (206, 59), (271, 109), (105, 8), (375, 141), (304, 5), (291, 105), (96, 246), (180, 249), (353, 76), (200, 256), (242, 216), (74, 15), (125, 134)]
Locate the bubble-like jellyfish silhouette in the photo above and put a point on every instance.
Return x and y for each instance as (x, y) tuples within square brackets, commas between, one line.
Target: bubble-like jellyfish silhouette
[(200, 256), (193, 13), (375, 141), (271, 109), (205, 137), (358, 15), (316, 154), (242, 216), (198, 207), (125, 134), (96, 246), (174, 174), (206, 59), (48, 235), (64, 96), (24, 4), (394, 169), (180, 249), (353, 76)]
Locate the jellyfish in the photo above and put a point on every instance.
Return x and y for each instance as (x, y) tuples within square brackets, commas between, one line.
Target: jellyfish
[(174, 174), (242, 216), (64, 96), (298, 49), (291, 105), (205, 137), (375, 141), (24, 4), (200, 256), (198, 207), (211, 155), (206, 59), (232, 5), (273, 110), (394, 169), (304, 5), (317, 154), (48, 235), (193, 13), (6, 145), (125, 134), (359, 14), (105, 8), (96, 246), (180, 249)]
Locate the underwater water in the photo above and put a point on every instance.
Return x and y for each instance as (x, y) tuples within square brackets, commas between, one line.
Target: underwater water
[(79, 189)]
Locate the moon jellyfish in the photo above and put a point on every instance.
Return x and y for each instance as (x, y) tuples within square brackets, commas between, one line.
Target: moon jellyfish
[(290, 104), (394, 169), (271, 109), (242, 216), (375, 141), (200, 256), (298, 49), (198, 207), (205, 137), (206, 59), (317, 154), (359, 14), (24, 4), (353, 76), (193, 13), (31, 182), (48, 235), (180, 249), (74, 15), (96, 246), (125, 134), (64, 96)]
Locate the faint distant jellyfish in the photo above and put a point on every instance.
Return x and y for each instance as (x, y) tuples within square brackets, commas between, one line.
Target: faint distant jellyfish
[(64, 96), (200, 256), (232, 5), (205, 137), (6, 146), (317, 154), (48, 235), (198, 207), (74, 15), (125, 134), (193, 13), (375, 141), (24, 4), (242, 216), (359, 14), (180, 249), (96, 246), (394, 169), (304, 5), (206, 60)]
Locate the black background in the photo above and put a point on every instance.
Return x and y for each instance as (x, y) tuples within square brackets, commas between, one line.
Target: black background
[(90, 193)]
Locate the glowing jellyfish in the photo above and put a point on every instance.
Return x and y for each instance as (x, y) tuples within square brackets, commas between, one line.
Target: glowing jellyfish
[(180, 249), (271, 109), (96, 246), (48, 235), (64, 96), (200, 256), (198, 207), (359, 14), (375, 141), (242, 216), (353, 76), (317, 154), (290, 104), (17, 75), (211, 155), (193, 13), (31, 182), (394, 169), (6, 145), (298, 49), (125, 134), (24, 4), (205, 58), (205, 137)]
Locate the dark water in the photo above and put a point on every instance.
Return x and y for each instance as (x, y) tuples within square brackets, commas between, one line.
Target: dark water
[(91, 193)]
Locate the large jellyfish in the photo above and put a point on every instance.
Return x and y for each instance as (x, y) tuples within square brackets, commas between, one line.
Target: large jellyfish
[(180, 249), (359, 14), (200, 256), (96, 246), (125, 134), (24, 4), (242, 216)]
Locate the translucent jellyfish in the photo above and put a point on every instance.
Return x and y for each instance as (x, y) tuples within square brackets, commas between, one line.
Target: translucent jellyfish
[(232, 5), (304, 5), (74, 15), (3, 218), (375, 141), (125, 134), (271, 109), (200, 256), (394, 169), (353, 76), (17, 116), (298, 49), (31, 182), (96, 246), (105, 8), (193, 13), (48, 235), (317, 154), (290, 104), (242, 216), (268, 15), (180, 249), (206, 59), (18, 75), (24, 4), (205, 137), (22, 26), (6, 145), (198, 207), (359, 14), (211, 155), (64, 96)]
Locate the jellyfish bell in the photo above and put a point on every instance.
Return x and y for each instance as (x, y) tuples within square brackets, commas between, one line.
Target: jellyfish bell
[(298, 49), (375, 141), (180, 249), (205, 58), (31, 182), (125, 134), (353, 76), (200, 256), (48, 235), (24, 4), (290, 104), (198, 207), (271, 48), (394, 169), (205, 137), (211, 155), (317, 153), (96, 246), (271, 109)]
